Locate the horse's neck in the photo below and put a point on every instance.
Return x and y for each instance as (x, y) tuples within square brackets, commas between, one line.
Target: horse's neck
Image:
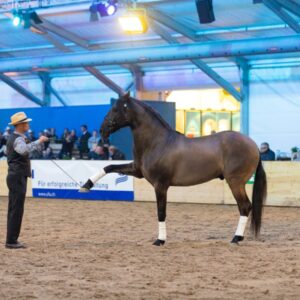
[(148, 133)]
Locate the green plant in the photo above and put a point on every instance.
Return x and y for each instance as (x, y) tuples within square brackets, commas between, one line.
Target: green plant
[(295, 149)]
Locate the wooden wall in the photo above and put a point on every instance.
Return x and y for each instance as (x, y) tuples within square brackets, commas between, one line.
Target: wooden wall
[(283, 187)]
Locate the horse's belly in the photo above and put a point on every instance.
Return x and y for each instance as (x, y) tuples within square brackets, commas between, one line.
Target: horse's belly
[(186, 177)]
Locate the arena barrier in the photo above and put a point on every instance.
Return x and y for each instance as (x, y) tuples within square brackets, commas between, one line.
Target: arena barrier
[(283, 184)]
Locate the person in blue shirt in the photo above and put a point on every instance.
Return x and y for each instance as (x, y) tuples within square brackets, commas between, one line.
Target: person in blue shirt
[(266, 153)]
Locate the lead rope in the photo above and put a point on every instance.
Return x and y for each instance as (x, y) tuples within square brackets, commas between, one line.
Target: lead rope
[(66, 173)]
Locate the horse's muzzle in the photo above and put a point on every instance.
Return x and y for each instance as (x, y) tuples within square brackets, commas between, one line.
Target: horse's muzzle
[(104, 132)]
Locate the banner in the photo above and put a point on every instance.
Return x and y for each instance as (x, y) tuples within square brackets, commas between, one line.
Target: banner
[(63, 178)]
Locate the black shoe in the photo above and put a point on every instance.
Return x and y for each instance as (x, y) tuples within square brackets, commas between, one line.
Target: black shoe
[(16, 245), (86, 187)]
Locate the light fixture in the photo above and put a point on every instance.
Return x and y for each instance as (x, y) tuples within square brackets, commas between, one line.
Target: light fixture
[(205, 11), (25, 17), (107, 8), (134, 21), (17, 18), (93, 13)]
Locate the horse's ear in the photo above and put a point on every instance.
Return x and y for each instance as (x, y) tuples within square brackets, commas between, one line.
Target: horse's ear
[(126, 96)]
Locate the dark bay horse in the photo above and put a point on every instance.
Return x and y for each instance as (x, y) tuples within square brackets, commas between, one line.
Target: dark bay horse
[(167, 158)]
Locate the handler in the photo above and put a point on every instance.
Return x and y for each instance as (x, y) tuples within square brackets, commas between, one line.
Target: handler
[(19, 170)]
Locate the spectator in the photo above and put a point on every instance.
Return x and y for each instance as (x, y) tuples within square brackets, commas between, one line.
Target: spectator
[(48, 153), (115, 153), (93, 140), (52, 135), (31, 136), (83, 141), (64, 139), (71, 142), (266, 153), (46, 133), (98, 154), (7, 133), (2, 146)]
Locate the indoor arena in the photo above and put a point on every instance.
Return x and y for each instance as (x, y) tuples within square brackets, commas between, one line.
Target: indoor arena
[(150, 149)]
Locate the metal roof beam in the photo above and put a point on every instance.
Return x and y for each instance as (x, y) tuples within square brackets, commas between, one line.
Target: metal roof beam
[(70, 36), (291, 6), (105, 80), (217, 78), (274, 6), (200, 64), (246, 47), (20, 89), (169, 22), (57, 95), (100, 76)]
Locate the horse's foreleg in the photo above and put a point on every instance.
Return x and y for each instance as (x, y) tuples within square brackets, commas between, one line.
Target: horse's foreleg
[(161, 199), (126, 169)]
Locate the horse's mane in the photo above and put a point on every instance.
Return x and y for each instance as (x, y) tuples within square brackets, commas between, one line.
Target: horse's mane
[(153, 113)]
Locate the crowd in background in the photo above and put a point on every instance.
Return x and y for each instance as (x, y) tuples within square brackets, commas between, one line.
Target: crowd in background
[(88, 145), (69, 145)]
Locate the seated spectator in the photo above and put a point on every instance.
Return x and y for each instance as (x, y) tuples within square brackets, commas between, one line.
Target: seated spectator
[(83, 141), (115, 154), (98, 154), (48, 153), (266, 153), (72, 138), (93, 140)]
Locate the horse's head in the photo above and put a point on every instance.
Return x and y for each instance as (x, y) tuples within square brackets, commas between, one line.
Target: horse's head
[(118, 116)]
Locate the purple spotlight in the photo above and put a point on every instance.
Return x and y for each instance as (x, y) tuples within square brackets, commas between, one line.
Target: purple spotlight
[(107, 8)]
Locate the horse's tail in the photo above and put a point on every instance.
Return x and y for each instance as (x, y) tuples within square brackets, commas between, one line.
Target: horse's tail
[(258, 198)]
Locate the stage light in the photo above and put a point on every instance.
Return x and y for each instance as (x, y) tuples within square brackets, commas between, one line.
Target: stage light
[(107, 8), (26, 17), (205, 11), (17, 19), (93, 13), (134, 21)]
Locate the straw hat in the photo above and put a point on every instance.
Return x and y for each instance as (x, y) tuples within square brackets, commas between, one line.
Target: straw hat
[(19, 118)]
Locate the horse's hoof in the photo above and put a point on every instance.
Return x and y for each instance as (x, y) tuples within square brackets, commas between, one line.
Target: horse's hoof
[(236, 239), (86, 187), (159, 242)]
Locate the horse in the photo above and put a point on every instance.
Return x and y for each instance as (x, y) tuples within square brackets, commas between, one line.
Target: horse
[(165, 157)]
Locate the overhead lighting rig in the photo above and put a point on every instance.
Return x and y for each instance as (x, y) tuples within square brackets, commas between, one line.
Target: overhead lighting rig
[(103, 8), (25, 18)]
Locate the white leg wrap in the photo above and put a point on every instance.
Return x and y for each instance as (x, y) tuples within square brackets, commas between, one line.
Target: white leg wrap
[(241, 226), (162, 233), (97, 176)]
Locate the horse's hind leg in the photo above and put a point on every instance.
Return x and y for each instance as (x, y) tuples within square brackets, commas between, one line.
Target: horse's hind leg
[(244, 205)]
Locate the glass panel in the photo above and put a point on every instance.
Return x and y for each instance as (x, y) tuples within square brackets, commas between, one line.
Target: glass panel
[(223, 121), (180, 121), (236, 121), (209, 123), (193, 124)]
